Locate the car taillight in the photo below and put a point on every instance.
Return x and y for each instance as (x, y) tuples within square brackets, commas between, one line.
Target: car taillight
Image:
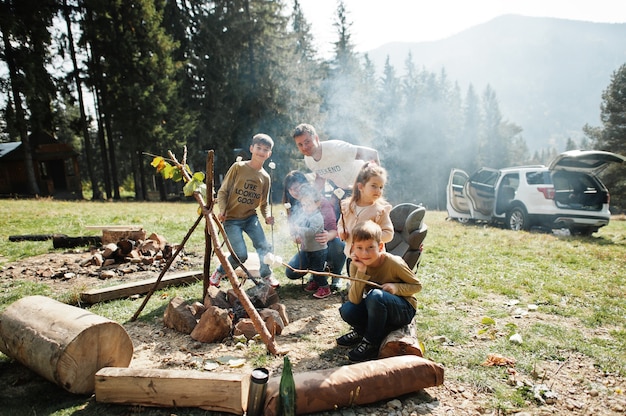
[(548, 192), (608, 198)]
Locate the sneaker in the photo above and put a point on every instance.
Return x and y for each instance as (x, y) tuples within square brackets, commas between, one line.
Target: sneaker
[(335, 286), (312, 287), (349, 339), (322, 292), (216, 278), (271, 280), (363, 352)]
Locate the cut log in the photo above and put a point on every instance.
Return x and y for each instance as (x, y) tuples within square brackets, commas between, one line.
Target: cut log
[(402, 341), (113, 236), (64, 344), (115, 233), (180, 315), (356, 384), (226, 392), (139, 287), (214, 325), (63, 241)]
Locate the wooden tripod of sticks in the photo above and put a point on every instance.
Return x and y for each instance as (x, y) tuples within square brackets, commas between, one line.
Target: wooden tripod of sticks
[(212, 245)]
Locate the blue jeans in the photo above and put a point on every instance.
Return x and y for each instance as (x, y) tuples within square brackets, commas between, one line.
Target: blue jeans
[(336, 257), (308, 260), (251, 226), (377, 315)]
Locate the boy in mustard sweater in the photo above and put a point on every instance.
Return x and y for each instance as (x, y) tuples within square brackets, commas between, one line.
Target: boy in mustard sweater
[(372, 312), (245, 188)]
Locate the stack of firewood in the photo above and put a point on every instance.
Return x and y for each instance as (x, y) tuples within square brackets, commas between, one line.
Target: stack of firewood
[(141, 251), (221, 314)]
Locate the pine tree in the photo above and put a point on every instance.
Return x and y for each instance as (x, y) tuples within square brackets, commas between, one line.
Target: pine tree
[(342, 89), (612, 135), (139, 85), (25, 27)]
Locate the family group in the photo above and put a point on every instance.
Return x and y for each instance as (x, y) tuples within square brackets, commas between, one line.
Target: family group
[(348, 228)]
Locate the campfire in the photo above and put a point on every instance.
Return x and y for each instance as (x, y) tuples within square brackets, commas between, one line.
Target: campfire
[(222, 315)]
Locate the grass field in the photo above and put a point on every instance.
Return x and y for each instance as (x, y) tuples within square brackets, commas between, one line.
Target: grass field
[(480, 283)]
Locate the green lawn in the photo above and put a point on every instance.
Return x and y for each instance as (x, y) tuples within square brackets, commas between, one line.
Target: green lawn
[(570, 290)]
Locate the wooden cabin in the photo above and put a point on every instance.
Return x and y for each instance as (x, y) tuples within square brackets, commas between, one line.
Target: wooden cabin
[(55, 164)]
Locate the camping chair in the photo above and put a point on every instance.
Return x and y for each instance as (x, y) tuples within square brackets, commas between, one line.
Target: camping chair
[(409, 233)]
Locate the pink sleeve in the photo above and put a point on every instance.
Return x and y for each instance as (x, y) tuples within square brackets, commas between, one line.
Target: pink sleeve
[(328, 212), (385, 224)]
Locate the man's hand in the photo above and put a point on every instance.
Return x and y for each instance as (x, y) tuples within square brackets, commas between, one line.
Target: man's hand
[(269, 220)]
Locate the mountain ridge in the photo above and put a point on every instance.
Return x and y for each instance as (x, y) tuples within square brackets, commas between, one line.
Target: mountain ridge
[(548, 73)]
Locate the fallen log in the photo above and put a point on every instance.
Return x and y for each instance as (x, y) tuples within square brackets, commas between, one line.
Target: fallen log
[(60, 240), (402, 341), (64, 344), (226, 392), (138, 288), (71, 242), (32, 237), (356, 384)]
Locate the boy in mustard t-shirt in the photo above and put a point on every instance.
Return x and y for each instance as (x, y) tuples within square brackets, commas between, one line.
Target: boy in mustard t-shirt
[(372, 312), (245, 188)]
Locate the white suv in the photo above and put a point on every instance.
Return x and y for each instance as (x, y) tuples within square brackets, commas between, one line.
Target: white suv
[(567, 194)]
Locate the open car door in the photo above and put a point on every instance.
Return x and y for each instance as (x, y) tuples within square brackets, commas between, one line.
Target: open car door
[(588, 161), (480, 191), (456, 202)]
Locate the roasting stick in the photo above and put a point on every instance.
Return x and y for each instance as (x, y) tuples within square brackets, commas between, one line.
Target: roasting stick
[(273, 260)]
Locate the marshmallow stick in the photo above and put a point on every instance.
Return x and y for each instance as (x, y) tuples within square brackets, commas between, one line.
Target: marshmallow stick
[(273, 260)]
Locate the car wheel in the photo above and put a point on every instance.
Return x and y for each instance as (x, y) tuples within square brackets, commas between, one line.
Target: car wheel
[(464, 220), (517, 219)]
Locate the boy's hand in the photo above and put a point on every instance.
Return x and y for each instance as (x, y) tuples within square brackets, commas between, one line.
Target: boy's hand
[(269, 220), (343, 235), (360, 266), (390, 288), (221, 216)]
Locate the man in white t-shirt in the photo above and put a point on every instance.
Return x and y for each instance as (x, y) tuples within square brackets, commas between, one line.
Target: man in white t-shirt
[(338, 162), (334, 160)]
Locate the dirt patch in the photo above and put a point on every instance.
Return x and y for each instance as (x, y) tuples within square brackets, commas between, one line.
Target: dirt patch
[(574, 386)]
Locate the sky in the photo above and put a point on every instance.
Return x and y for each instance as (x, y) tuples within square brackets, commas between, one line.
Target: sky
[(376, 22)]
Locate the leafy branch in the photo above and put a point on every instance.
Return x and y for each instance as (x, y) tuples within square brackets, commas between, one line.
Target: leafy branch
[(176, 171)]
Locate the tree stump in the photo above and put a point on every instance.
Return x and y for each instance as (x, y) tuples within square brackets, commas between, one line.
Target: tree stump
[(402, 341), (64, 344)]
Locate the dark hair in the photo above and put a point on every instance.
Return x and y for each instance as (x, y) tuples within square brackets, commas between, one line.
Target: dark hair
[(367, 172), (304, 128), (293, 177), (367, 230), (264, 139)]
